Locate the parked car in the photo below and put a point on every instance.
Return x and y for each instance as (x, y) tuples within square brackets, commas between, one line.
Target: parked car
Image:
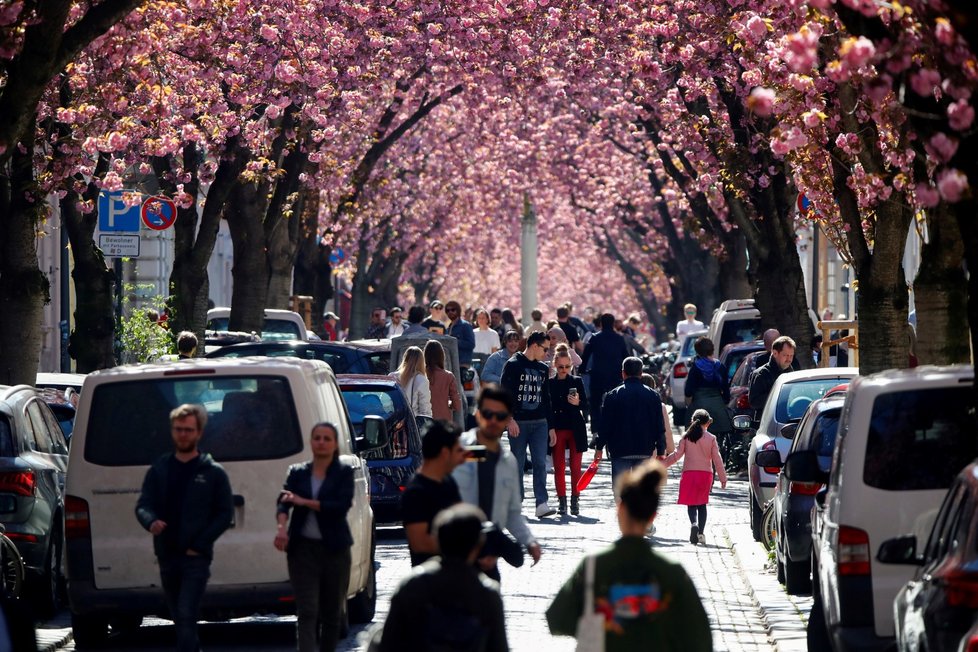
[(260, 414), (279, 325), (790, 396), (793, 501), (733, 354), (370, 357), (394, 464), (62, 404), (33, 463), (935, 609), (736, 320), (739, 403), (673, 390), (903, 437), (57, 380)]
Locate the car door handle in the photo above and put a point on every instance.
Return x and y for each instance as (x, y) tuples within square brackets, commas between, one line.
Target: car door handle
[(237, 514)]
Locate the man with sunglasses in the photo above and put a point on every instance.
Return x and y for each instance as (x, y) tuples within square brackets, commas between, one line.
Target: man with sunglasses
[(689, 325), (492, 483), (462, 331), (524, 376)]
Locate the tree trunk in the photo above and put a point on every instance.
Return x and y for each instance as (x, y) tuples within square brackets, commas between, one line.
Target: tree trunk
[(782, 300), (92, 342), (941, 293), (313, 275), (24, 289), (732, 275), (249, 294), (361, 299)]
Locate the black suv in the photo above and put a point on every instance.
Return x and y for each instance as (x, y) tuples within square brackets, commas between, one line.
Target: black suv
[(357, 357), (33, 462)]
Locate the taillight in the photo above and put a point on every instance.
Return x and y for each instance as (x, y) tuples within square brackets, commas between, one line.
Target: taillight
[(770, 446), (679, 371), (971, 645), (468, 386), (853, 551), (804, 488), (77, 523), (961, 589), (21, 483), (743, 401), (20, 536)]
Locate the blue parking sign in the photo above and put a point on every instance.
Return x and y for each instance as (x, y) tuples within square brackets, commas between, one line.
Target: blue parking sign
[(114, 215)]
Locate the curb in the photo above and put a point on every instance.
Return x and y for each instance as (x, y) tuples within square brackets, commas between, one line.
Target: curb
[(52, 642), (785, 616)]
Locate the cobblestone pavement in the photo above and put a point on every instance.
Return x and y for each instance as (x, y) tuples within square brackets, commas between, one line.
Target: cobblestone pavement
[(731, 573)]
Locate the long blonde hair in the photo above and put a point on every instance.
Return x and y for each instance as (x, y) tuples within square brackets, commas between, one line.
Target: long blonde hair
[(412, 364)]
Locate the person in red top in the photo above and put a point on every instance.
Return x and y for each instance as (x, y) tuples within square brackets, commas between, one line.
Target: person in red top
[(445, 400), (702, 457)]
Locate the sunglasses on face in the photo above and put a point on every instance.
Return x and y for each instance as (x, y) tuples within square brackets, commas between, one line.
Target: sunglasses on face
[(489, 415), (564, 366)]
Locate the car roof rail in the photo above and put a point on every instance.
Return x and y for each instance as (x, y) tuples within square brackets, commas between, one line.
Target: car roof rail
[(13, 389)]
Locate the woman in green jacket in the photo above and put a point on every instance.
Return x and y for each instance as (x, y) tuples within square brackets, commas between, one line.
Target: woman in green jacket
[(648, 602)]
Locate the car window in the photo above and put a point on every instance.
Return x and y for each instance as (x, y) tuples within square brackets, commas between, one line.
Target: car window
[(7, 448), (380, 362), (939, 535), (733, 362), (920, 439), (219, 324), (389, 404), (739, 330), (42, 441), (688, 350), (249, 418), (279, 330), (66, 419), (823, 433), (794, 398), (744, 370), (54, 430)]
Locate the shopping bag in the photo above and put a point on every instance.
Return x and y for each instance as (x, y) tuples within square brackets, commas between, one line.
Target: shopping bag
[(590, 625), (587, 476)]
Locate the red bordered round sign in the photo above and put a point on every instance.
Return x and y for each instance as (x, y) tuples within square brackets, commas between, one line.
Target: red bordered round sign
[(158, 213)]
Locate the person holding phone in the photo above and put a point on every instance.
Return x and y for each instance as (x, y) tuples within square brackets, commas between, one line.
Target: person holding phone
[(567, 403), (317, 541)]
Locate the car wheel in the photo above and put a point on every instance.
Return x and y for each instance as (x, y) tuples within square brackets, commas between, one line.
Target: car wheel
[(363, 605), (769, 531), (89, 631), (46, 592), (12, 571), (755, 516), (796, 578)]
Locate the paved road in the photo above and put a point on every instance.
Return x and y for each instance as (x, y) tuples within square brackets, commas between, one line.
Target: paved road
[(731, 573)]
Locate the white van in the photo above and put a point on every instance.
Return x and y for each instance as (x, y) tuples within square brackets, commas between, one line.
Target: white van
[(736, 320), (903, 437), (279, 325), (261, 411)]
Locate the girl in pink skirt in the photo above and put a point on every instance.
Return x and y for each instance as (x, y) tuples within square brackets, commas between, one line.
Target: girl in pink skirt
[(702, 456)]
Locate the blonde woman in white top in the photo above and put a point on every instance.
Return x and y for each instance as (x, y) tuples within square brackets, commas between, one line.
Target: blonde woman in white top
[(411, 376)]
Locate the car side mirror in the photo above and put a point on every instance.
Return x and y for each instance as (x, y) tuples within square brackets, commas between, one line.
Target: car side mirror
[(802, 466), (374, 433), (741, 422), (899, 550), (788, 430), (768, 459)]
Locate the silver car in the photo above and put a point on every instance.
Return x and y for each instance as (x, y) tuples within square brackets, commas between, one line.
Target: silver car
[(790, 397), (677, 376)]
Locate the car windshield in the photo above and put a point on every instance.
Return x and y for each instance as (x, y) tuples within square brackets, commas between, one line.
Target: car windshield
[(795, 397), (739, 330), (386, 403), (249, 418), (688, 343), (273, 330), (920, 439)]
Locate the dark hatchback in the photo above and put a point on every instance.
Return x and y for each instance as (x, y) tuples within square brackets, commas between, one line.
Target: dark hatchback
[(936, 609), (394, 464), (793, 501), (359, 357), (33, 463)]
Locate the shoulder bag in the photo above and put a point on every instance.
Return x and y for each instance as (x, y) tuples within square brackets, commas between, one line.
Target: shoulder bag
[(590, 625)]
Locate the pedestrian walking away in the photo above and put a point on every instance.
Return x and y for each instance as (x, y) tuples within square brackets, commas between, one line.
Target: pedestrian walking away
[(494, 483), (631, 426), (646, 602), (431, 489), (524, 376), (567, 402), (702, 460), (649, 381), (708, 387), (445, 400), (602, 360), (447, 604), (186, 345), (317, 539), (411, 376), (186, 504)]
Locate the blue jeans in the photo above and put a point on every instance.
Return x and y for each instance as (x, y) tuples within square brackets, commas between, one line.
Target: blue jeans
[(184, 580), (536, 435), (620, 465)]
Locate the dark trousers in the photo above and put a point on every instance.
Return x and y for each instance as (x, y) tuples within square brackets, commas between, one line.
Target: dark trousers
[(184, 579), (697, 516), (320, 578)]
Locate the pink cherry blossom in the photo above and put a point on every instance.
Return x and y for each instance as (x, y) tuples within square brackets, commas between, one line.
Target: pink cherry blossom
[(952, 184), (960, 115)]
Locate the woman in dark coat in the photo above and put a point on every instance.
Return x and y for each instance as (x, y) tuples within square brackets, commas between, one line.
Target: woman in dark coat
[(707, 387), (318, 538), (567, 401)]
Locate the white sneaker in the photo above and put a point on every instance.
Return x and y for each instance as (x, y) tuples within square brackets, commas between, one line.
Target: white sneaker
[(701, 537), (544, 509), (651, 530)]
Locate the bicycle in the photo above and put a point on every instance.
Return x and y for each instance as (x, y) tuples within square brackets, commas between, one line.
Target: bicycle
[(11, 568)]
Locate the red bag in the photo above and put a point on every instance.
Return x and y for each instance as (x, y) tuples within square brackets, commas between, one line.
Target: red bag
[(587, 476)]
